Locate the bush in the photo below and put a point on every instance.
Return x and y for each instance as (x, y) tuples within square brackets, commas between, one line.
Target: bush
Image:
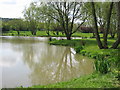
[(94, 55), (83, 52), (78, 49), (102, 64), (115, 61)]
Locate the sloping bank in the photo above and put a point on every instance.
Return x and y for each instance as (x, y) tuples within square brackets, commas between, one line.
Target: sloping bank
[(106, 75)]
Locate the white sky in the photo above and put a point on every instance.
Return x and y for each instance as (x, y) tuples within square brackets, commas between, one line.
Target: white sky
[(13, 8)]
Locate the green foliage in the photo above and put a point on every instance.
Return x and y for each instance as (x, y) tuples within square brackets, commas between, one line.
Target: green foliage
[(102, 64), (78, 49), (115, 60), (14, 25), (83, 52)]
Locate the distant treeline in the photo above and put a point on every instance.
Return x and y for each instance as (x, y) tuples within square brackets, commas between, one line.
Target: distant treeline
[(21, 25)]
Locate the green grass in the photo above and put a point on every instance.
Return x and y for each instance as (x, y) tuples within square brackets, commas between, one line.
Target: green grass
[(43, 33), (90, 44), (28, 33), (90, 81)]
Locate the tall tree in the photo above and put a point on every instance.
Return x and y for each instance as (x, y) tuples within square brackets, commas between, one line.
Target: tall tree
[(113, 23), (117, 42), (30, 17), (16, 24), (96, 26), (65, 13), (47, 20), (108, 26), (101, 22)]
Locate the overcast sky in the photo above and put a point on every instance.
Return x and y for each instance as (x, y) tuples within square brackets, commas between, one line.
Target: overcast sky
[(13, 8)]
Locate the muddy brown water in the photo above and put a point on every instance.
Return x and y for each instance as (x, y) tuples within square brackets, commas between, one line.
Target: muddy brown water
[(27, 61)]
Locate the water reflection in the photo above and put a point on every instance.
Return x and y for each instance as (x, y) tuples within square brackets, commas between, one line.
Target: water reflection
[(39, 63)]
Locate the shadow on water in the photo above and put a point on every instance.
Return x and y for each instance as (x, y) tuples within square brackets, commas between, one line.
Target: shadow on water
[(39, 63)]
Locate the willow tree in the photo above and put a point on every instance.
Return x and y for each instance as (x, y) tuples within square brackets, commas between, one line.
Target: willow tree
[(30, 17), (117, 42), (105, 35), (96, 26), (65, 13), (47, 20), (107, 21)]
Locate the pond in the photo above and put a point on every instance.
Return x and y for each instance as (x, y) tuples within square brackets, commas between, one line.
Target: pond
[(27, 61)]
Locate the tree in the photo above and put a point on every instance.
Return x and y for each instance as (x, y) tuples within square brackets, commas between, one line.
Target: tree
[(108, 26), (16, 25), (117, 42), (96, 26), (44, 18), (106, 30), (113, 24), (89, 21), (65, 13), (5, 26), (40, 25), (104, 13), (31, 18)]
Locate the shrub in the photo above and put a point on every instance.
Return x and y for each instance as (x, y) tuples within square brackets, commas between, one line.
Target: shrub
[(94, 55), (102, 64), (83, 52), (78, 49)]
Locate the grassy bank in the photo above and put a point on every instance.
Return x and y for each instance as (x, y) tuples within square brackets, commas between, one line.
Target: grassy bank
[(44, 34), (95, 80), (90, 81), (90, 46)]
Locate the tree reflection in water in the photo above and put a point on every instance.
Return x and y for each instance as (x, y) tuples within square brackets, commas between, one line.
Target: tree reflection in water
[(50, 64)]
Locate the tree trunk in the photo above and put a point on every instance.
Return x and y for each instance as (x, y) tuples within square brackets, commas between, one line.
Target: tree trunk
[(57, 32), (48, 33), (108, 26), (93, 34), (115, 45), (112, 35), (18, 33), (33, 32), (96, 27), (68, 37)]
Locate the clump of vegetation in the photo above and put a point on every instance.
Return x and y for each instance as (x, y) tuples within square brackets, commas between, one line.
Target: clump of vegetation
[(78, 49), (102, 64)]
